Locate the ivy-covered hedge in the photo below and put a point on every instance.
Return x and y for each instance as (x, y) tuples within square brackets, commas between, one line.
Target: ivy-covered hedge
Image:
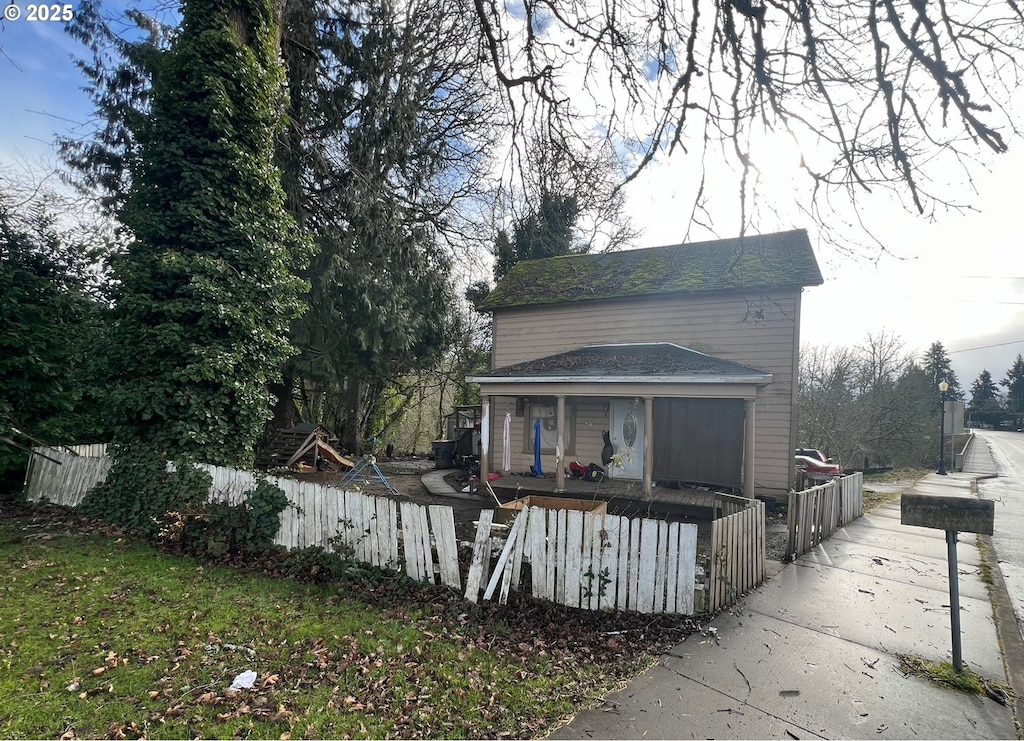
[(139, 491), (207, 288), (174, 507)]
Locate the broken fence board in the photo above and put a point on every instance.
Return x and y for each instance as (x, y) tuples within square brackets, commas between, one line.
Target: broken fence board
[(481, 552), (512, 572), (502, 567)]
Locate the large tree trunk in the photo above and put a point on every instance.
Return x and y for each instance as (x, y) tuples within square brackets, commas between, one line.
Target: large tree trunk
[(348, 413), (286, 415)]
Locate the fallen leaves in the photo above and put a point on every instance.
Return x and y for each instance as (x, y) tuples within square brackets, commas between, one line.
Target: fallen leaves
[(380, 658)]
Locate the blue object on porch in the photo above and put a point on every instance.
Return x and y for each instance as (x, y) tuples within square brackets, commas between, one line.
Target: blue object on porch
[(536, 449)]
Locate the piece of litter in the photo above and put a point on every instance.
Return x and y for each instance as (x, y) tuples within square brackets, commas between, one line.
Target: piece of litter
[(244, 681)]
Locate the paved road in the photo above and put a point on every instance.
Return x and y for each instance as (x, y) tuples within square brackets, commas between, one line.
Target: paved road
[(1007, 491)]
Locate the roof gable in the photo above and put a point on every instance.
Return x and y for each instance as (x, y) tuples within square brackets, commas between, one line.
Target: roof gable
[(753, 262)]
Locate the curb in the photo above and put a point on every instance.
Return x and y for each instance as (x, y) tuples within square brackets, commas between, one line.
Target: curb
[(1010, 640)]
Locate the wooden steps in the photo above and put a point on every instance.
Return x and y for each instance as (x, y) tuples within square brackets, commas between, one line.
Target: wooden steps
[(301, 444)]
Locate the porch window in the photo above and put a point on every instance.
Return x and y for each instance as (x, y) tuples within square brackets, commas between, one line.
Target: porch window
[(546, 410)]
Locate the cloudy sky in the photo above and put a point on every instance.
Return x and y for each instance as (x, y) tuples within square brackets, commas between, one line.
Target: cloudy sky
[(956, 277)]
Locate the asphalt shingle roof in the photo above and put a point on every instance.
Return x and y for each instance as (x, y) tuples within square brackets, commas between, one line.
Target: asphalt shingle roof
[(628, 360), (782, 259)]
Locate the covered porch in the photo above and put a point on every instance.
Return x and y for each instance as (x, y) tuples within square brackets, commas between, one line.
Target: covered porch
[(646, 412)]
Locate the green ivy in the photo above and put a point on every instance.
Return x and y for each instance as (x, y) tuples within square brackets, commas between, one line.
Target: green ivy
[(219, 529), (207, 288), (265, 504), (140, 491)]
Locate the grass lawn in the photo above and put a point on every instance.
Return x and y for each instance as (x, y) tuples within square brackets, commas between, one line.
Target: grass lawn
[(105, 636), (881, 488)]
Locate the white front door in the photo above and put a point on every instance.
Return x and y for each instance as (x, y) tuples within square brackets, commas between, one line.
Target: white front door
[(627, 435)]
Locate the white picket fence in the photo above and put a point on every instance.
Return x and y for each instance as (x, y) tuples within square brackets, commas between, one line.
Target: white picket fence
[(579, 559), (63, 477), (376, 530), (592, 561)]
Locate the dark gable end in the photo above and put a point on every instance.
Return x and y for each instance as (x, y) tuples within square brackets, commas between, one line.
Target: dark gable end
[(782, 259)]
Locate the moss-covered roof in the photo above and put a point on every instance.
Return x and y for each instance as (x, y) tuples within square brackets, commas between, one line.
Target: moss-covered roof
[(782, 259)]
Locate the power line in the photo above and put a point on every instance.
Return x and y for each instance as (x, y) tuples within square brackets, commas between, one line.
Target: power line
[(985, 301), (994, 277), (986, 347)]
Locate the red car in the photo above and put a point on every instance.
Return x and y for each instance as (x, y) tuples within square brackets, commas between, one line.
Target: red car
[(816, 469)]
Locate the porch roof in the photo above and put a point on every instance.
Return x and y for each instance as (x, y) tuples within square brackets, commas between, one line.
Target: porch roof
[(649, 362)]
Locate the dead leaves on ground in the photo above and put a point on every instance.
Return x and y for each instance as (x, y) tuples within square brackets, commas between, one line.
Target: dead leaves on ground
[(465, 673)]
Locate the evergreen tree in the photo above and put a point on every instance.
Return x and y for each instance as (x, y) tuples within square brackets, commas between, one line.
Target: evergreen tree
[(983, 391), (51, 332), (939, 368), (1014, 383), (504, 255), (985, 406), (546, 231)]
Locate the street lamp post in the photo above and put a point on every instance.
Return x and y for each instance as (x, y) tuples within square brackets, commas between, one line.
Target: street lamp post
[(943, 388)]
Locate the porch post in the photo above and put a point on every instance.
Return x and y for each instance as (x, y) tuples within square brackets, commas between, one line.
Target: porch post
[(485, 436), (648, 474), (560, 445), (748, 448)]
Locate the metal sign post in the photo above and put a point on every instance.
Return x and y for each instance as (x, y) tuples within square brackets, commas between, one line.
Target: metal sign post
[(952, 514)]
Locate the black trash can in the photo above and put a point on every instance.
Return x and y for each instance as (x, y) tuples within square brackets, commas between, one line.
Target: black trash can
[(444, 453)]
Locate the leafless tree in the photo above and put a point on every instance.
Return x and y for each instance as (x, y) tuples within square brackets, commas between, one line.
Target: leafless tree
[(870, 401), (826, 399), (876, 93)]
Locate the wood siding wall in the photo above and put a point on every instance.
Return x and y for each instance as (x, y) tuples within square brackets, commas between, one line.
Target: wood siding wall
[(759, 330), (591, 420)]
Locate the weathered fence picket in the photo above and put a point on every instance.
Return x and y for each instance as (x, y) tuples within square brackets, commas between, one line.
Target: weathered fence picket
[(481, 555), (737, 555), (583, 559), (816, 513)]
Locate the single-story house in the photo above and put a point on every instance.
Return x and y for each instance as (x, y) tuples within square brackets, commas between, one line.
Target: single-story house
[(685, 355)]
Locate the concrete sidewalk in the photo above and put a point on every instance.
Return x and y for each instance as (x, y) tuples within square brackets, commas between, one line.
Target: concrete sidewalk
[(813, 652)]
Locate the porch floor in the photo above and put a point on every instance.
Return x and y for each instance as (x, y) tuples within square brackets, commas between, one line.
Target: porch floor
[(624, 497)]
